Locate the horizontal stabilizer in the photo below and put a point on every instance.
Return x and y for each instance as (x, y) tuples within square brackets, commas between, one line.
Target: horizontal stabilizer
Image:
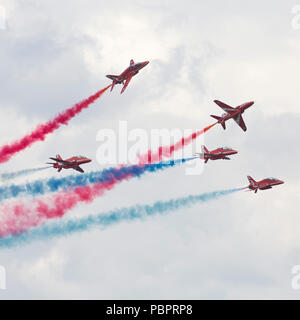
[(112, 86), (215, 117), (112, 77)]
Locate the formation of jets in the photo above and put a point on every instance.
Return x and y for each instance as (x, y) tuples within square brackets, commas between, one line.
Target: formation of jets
[(223, 153), (124, 78), (217, 154)]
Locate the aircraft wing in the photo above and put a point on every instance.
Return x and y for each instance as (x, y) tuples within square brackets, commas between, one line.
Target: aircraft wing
[(61, 161), (240, 121), (266, 187), (224, 106), (78, 169), (126, 84), (213, 155)]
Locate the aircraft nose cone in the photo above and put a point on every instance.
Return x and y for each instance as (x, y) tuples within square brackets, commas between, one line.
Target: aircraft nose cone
[(280, 182), (145, 63)]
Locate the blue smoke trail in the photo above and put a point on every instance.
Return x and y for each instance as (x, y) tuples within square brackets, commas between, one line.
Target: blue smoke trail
[(139, 211), (17, 174), (40, 187)]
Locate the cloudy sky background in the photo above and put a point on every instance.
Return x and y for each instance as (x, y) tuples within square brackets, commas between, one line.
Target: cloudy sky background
[(56, 53)]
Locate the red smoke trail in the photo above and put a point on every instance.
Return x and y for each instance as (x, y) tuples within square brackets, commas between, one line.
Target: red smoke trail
[(18, 217), (42, 130), (167, 151)]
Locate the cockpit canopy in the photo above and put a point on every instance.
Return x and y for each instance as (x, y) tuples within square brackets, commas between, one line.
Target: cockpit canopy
[(273, 179), (226, 148), (81, 157)]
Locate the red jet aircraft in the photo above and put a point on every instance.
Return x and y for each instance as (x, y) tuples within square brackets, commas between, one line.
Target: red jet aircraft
[(234, 113), (263, 184), (220, 153), (127, 75), (71, 163)]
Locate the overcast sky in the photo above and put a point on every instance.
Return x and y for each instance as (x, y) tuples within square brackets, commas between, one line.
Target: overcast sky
[(56, 53)]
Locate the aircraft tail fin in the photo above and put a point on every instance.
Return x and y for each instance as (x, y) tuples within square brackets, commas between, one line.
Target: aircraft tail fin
[(131, 62), (219, 120), (252, 181), (203, 154), (204, 149), (115, 80)]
